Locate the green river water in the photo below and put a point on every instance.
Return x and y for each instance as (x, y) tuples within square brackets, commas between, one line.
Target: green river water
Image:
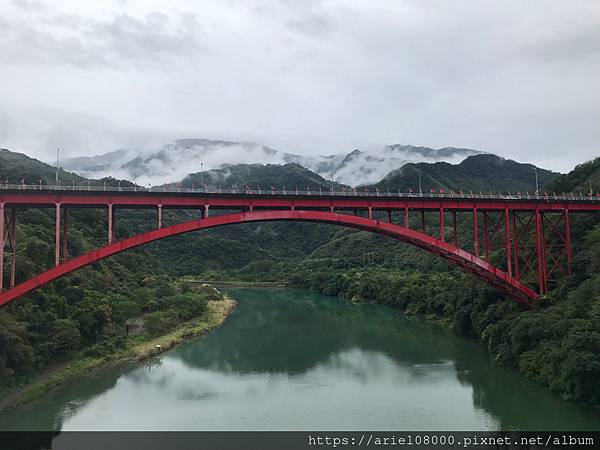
[(295, 360)]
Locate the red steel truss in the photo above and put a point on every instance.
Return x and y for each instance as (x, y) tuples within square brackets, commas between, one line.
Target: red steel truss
[(526, 241)]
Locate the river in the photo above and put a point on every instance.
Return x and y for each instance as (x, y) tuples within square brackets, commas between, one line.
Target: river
[(295, 360)]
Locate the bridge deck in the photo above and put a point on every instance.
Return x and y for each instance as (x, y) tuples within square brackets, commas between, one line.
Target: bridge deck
[(93, 196)]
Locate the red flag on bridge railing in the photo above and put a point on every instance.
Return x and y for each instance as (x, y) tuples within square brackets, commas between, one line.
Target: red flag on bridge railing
[(433, 191), (442, 191)]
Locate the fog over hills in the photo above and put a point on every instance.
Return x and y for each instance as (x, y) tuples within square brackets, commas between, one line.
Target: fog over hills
[(172, 162)]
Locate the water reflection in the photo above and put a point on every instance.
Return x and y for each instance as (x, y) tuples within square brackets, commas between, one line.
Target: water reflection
[(290, 359)]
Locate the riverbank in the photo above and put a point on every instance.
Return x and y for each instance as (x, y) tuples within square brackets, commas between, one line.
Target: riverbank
[(137, 349), (554, 343), (239, 284)]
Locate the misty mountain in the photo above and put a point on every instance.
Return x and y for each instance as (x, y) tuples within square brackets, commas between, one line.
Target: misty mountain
[(290, 176), (476, 173), (174, 161)]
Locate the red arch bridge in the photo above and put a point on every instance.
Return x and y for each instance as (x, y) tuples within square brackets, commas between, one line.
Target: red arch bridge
[(519, 244)]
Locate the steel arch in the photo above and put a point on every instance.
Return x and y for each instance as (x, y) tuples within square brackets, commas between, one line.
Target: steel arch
[(494, 276)]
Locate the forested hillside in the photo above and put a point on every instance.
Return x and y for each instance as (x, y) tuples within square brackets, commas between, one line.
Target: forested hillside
[(556, 343), (477, 173)]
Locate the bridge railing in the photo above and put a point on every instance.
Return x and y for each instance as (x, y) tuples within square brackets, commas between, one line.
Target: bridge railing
[(546, 196)]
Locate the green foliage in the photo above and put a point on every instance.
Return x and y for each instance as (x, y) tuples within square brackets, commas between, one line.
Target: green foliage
[(556, 343), (476, 173), (16, 352), (160, 322)]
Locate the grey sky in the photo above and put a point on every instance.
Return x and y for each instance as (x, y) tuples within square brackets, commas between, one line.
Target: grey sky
[(520, 79)]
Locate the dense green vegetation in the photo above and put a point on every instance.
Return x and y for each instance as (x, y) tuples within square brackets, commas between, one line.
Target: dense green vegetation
[(556, 342), (478, 173), (83, 317), (90, 312)]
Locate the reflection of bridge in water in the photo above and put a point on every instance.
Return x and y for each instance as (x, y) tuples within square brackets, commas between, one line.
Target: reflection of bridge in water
[(526, 236)]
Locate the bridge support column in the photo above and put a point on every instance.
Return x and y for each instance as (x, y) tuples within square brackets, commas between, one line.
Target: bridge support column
[(159, 216), (516, 246), (12, 241), (389, 215), (486, 244), (568, 240), (406, 222), (370, 212), (442, 226), (65, 255), (206, 211), (475, 234), (455, 239), (111, 231), (507, 238), (57, 235), (1, 246), (539, 238)]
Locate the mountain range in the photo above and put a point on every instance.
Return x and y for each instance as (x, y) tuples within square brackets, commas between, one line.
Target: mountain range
[(172, 162)]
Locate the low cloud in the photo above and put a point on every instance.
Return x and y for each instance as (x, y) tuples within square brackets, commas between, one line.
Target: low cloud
[(519, 79)]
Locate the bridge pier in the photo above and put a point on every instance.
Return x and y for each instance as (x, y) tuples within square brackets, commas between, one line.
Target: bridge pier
[(540, 250), (507, 241), (159, 216), (486, 243), (454, 228), (12, 242), (568, 240), (205, 211), (475, 234), (442, 224), (406, 222), (65, 255), (111, 231), (57, 234), (516, 246)]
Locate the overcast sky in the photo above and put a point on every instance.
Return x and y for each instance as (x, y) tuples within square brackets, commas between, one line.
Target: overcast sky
[(517, 78)]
